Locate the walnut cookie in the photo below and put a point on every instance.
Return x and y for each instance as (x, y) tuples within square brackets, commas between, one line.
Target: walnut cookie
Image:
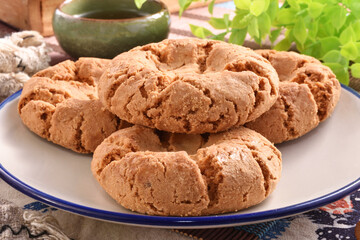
[(61, 104), (172, 174), (309, 92), (189, 85)]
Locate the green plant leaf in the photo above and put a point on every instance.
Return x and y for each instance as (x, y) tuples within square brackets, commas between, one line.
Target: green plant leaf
[(266, 5), (240, 21), (184, 4), (273, 9), (357, 44), (294, 4), (274, 34), (211, 7), (265, 25), (347, 35), (226, 20), (340, 71), (355, 8), (257, 7), (334, 56), (283, 45), (241, 12), (329, 43), (220, 36), (285, 16), (242, 4), (139, 3), (313, 30), (338, 14), (299, 31), (258, 40), (253, 28), (217, 23), (237, 36), (200, 32), (306, 1), (325, 29), (349, 51), (355, 70), (328, 1), (315, 9), (312, 49), (356, 27)]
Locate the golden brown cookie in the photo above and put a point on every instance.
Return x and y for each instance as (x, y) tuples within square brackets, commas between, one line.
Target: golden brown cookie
[(160, 173), (189, 85), (309, 92), (61, 104)]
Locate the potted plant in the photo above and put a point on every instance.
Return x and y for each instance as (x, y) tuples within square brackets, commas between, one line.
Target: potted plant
[(328, 30)]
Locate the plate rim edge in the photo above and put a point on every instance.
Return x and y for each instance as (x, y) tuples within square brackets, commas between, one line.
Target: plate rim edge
[(176, 222)]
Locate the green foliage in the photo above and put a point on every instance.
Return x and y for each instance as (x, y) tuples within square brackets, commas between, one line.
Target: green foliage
[(326, 29), (355, 69), (139, 3)]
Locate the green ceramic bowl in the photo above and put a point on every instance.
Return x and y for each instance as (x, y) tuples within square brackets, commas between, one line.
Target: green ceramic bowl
[(105, 28)]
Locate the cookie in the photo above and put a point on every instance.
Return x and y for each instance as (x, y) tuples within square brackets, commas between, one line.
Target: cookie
[(61, 104), (172, 174), (309, 92), (189, 86)]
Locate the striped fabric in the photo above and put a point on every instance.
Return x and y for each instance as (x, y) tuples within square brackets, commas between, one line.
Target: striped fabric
[(218, 234)]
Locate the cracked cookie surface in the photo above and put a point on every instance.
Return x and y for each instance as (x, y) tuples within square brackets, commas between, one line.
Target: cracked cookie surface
[(61, 104), (189, 86), (309, 92), (172, 174)]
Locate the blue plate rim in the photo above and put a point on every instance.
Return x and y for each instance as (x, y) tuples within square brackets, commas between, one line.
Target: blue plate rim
[(176, 222)]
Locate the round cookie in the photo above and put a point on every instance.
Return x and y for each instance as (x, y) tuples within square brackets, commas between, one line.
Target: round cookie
[(189, 85), (61, 104), (309, 92), (160, 173)]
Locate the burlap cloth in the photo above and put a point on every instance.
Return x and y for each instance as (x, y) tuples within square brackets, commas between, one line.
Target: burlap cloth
[(22, 217)]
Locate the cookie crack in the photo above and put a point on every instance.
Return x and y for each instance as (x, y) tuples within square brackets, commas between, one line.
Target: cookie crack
[(242, 66), (120, 77), (321, 90), (263, 78), (203, 54), (53, 100), (213, 178), (126, 107), (78, 135), (205, 91), (266, 173), (289, 118), (264, 170), (143, 91), (255, 68), (116, 154), (154, 52), (156, 106), (186, 202), (151, 205), (235, 106), (160, 82)]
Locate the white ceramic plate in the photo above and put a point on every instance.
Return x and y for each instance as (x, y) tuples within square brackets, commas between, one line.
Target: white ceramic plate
[(319, 168)]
